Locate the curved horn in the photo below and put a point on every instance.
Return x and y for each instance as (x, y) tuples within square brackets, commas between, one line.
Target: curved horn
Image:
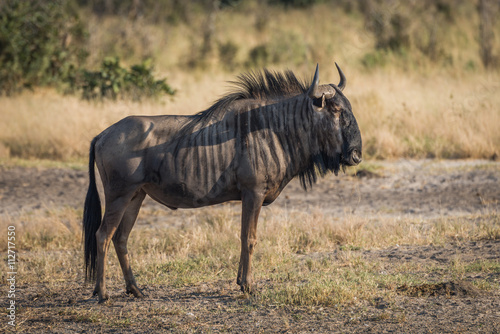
[(343, 80), (313, 90)]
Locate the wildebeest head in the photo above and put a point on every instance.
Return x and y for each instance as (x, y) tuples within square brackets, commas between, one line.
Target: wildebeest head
[(330, 101)]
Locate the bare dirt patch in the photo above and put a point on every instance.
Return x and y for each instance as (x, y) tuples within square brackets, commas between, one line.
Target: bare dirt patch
[(418, 188), (439, 300)]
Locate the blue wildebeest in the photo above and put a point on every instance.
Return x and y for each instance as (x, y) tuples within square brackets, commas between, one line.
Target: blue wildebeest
[(247, 147)]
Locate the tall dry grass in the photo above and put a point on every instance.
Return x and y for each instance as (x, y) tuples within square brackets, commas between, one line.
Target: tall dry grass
[(443, 116), (45, 124), (409, 106)]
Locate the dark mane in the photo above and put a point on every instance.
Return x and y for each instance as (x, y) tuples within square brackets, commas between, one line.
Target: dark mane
[(261, 85), (264, 86), (269, 85)]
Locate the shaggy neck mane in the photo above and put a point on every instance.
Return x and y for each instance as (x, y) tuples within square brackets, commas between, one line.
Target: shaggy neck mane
[(260, 86), (269, 86)]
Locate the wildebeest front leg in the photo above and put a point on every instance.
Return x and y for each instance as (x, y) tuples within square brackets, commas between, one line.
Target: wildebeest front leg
[(251, 204), (120, 241)]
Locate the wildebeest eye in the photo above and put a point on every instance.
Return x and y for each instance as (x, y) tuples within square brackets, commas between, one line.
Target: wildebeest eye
[(337, 108)]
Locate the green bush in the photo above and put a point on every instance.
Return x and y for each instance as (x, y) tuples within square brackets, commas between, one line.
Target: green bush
[(227, 55), (258, 56), (374, 59), (113, 81), (285, 47), (295, 3), (41, 43), (288, 47)]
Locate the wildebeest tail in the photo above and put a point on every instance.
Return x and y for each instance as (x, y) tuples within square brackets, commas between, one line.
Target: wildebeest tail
[(91, 219)]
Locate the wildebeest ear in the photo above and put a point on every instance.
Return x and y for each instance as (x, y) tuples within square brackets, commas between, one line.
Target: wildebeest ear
[(319, 102), (313, 90), (343, 80)]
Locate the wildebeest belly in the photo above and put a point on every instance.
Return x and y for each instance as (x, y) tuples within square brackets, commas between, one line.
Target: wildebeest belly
[(182, 195)]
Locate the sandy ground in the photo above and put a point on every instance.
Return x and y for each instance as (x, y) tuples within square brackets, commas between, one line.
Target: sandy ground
[(421, 188), (424, 189)]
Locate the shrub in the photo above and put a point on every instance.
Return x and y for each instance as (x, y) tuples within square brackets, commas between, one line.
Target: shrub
[(41, 42), (285, 47), (258, 56), (374, 59), (295, 3), (227, 55), (488, 12), (113, 81), (288, 47)]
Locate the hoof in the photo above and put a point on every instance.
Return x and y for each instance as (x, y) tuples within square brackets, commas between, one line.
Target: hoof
[(135, 291), (245, 288), (104, 299)]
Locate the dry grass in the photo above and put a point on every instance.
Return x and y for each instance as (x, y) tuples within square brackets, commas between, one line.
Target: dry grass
[(50, 126), (410, 107), (433, 117), (301, 259), (399, 116), (307, 268)]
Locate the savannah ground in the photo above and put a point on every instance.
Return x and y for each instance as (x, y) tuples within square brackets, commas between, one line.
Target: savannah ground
[(409, 241), (404, 246)]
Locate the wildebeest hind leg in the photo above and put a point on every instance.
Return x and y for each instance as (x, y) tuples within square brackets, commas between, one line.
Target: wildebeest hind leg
[(120, 242), (115, 208)]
